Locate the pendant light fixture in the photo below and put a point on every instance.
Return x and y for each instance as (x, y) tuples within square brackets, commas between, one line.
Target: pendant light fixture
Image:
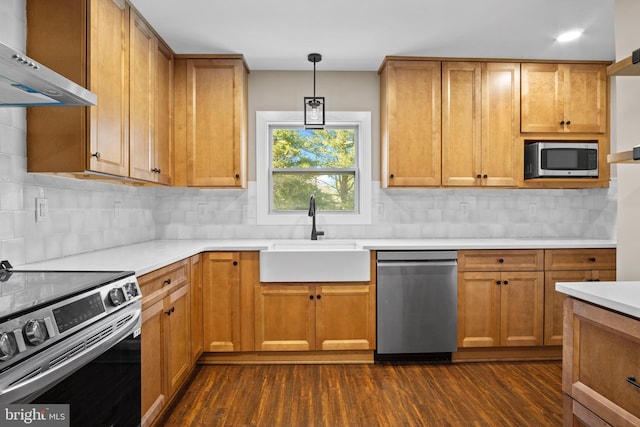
[(314, 105)]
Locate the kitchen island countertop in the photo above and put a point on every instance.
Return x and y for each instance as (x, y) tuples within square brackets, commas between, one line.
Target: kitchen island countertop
[(623, 297), (148, 256)]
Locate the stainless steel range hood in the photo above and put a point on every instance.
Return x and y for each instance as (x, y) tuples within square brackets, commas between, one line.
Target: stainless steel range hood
[(26, 83)]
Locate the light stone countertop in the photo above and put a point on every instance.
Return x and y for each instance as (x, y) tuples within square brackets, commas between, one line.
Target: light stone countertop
[(148, 256), (623, 297)]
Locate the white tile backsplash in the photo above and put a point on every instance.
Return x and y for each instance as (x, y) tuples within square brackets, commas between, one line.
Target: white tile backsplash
[(83, 216)]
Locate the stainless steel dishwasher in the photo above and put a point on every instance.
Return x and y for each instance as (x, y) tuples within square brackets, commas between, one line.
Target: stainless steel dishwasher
[(417, 302)]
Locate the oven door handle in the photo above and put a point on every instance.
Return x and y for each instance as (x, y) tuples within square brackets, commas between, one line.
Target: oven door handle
[(18, 386)]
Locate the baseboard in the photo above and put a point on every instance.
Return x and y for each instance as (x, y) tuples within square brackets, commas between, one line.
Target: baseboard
[(288, 357), (507, 354)]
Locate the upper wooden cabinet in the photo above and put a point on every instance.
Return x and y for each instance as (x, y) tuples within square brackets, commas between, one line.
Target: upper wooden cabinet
[(151, 104), (410, 121), (564, 98), (108, 48), (481, 124), (87, 42), (211, 121)]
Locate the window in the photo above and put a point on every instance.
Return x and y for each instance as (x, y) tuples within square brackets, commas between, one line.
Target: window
[(333, 164)]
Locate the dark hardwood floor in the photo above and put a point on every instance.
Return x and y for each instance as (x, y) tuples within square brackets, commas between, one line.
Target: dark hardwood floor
[(384, 394)]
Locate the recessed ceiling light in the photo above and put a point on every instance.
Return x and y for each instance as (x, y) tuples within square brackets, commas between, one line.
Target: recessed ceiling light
[(569, 35)]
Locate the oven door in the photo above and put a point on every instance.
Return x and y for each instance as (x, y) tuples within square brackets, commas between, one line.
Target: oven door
[(105, 391)]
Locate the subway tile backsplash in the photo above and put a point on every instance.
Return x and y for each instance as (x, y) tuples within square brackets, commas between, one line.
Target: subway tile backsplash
[(86, 215)]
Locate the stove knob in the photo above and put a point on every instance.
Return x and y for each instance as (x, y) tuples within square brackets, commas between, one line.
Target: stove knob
[(117, 297), (131, 289), (35, 331), (8, 346)]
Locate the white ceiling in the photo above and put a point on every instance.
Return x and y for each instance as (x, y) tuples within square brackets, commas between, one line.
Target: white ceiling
[(358, 34)]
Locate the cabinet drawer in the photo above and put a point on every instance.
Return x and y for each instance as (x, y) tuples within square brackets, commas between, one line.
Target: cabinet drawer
[(501, 260), (158, 283), (580, 259), (600, 355)]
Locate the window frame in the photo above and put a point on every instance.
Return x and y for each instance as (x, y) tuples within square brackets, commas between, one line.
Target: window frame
[(360, 120)]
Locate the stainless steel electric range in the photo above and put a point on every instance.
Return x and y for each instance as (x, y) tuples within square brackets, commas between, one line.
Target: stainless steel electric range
[(72, 338)]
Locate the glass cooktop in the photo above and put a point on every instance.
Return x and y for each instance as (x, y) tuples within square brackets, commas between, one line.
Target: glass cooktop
[(22, 291)]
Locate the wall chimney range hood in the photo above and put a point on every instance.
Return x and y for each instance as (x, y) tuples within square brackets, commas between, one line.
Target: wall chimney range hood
[(26, 83)]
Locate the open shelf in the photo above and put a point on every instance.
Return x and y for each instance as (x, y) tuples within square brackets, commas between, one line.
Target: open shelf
[(622, 157), (625, 67)]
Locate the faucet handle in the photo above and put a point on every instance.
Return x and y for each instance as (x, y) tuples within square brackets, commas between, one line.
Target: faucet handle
[(319, 233)]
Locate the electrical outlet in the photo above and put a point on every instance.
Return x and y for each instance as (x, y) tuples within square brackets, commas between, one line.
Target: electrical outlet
[(202, 212), (116, 209), (464, 209), (42, 210)]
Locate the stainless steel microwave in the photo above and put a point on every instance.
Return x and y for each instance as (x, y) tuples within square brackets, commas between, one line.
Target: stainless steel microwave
[(552, 159)]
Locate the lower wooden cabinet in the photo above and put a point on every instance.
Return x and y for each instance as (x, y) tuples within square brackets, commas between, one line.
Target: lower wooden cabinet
[(600, 362), (500, 309), (299, 317), (166, 326), (197, 344), (571, 265)]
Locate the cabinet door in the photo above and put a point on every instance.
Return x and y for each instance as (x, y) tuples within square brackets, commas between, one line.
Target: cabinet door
[(178, 316), (345, 317), (554, 302), (163, 147), (221, 301), (585, 106), (109, 80), (411, 124), (461, 123), (216, 123), (478, 309), (521, 308), (197, 345), (542, 98), (502, 162), (154, 389), (142, 71), (285, 317)]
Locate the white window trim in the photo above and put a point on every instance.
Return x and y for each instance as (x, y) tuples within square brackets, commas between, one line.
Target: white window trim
[(265, 119)]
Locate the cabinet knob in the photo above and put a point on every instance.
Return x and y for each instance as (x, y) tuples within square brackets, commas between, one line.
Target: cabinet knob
[(592, 259), (318, 296), (506, 282), (391, 176), (568, 122), (310, 297), (235, 262), (562, 123), (485, 176), (497, 282), (171, 310), (167, 282), (501, 260), (478, 176), (96, 155), (237, 176)]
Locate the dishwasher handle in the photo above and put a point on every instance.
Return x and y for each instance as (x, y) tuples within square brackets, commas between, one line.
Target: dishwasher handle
[(409, 256), (451, 263)]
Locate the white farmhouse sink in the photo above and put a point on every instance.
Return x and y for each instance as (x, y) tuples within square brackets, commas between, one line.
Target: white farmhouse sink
[(315, 261)]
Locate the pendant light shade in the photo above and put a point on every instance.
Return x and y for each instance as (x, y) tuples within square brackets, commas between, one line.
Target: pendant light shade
[(314, 105)]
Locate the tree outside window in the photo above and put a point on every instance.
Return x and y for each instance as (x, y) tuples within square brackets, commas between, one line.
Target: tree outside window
[(311, 161)]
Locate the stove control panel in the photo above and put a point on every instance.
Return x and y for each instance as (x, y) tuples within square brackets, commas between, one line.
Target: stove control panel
[(26, 334)]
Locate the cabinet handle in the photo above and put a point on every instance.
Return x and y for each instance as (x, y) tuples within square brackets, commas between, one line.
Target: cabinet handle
[(171, 310), (506, 282), (478, 176), (311, 297), (568, 122), (235, 262), (96, 155), (632, 380), (497, 282), (391, 176), (237, 176), (318, 296), (592, 259), (167, 282), (485, 176), (562, 123), (501, 261)]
